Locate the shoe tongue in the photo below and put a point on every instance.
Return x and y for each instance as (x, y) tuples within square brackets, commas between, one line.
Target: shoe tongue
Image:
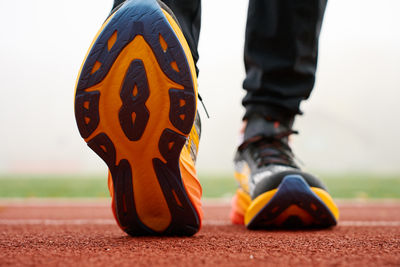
[(259, 126)]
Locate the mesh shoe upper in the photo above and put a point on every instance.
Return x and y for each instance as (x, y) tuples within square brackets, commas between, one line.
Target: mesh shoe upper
[(267, 158)]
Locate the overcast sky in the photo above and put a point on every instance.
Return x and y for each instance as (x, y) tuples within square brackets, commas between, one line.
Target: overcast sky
[(351, 122)]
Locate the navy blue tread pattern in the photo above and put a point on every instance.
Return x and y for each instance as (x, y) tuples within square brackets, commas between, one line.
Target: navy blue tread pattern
[(182, 115), (136, 17), (184, 215), (135, 78), (144, 18), (87, 118), (185, 221), (293, 190)]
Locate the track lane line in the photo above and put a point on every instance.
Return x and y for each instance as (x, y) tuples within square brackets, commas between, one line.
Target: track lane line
[(206, 222), (205, 205)]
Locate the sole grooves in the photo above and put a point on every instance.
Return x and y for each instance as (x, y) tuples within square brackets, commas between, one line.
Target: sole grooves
[(134, 94), (294, 206), (140, 18), (182, 110), (184, 219), (87, 112)]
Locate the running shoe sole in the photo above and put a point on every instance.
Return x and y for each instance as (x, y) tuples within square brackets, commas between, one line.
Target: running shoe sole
[(135, 105), (292, 205)]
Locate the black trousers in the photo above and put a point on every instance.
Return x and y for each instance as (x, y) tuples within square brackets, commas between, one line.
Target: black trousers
[(280, 54)]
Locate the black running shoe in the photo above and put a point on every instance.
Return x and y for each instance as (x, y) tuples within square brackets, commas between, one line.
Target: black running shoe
[(273, 191)]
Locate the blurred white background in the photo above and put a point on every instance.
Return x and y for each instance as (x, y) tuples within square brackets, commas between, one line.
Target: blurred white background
[(350, 123)]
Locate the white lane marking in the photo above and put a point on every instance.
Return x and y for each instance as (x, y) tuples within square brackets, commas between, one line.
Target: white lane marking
[(341, 223), (205, 205), (56, 222), (55, 204), (369, 223), (206, 222)]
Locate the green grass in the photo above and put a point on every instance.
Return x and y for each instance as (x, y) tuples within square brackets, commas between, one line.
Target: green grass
[(53, 186), (214, 186), (363, 186)]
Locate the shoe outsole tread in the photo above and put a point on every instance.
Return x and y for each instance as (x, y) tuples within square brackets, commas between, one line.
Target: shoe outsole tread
[(146, 21), (293, 205)]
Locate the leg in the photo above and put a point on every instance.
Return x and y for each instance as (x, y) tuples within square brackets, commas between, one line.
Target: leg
[(117, 3), (280, 56), (188, 14), (280, 59)]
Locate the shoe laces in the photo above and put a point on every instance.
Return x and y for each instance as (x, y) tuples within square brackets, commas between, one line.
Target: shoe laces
[(202, 103), (266, 150)]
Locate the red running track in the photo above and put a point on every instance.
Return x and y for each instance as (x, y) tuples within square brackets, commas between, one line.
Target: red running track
[(71, 233)]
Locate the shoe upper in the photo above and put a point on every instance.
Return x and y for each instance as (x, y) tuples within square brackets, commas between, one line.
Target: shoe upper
[(193, 140), (265, 157)]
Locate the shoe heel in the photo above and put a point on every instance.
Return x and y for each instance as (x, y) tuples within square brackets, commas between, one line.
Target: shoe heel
[(294, 205)]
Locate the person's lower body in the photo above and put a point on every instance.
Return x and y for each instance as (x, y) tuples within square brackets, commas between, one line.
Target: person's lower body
[(280, 56), (135, 106)]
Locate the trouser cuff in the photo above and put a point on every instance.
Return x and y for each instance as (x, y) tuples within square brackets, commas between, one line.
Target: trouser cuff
[(272, 113)]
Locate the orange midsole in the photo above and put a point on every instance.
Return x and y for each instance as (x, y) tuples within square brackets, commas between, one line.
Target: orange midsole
[(249, 209)]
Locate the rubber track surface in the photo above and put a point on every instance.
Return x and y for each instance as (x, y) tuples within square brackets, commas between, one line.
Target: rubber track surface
[(367, 235)]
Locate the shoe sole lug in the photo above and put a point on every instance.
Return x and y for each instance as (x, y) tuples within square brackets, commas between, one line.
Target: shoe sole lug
[(146, 20), (293, 191)]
